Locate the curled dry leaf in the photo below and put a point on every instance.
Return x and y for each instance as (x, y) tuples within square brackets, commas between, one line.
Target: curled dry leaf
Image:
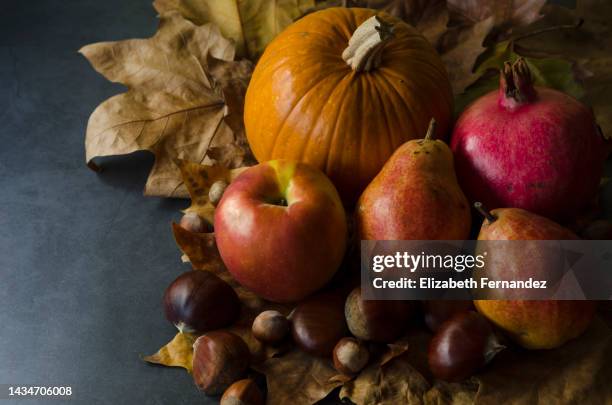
[(298, 378), (177, 353), (251, 24), (174, 106)]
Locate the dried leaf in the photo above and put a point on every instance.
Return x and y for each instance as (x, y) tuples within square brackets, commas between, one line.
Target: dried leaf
[(588, 45), (506, 12), (200, 248), (177, 353), (578, 373), (298, 378), (372, 385), (251, 24), (459, 48), (173, 107), (198, 179)]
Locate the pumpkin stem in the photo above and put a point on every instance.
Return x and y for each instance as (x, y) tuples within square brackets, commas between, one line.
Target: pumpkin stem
[(364, 50), (516, 84), (431, 131)]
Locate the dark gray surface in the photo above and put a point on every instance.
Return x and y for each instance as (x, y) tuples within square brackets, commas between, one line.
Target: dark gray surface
[(84, 258)]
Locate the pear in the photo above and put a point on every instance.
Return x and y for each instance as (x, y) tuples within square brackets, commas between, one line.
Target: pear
[(415, 196), (543, 324)]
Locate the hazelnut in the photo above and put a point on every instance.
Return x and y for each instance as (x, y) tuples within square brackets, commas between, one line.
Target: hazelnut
[(350, 356), (243, 392), (318, 323), (216, 191), (220, 358), (378, 321), (270, 327), (192, 222), (199, 301)]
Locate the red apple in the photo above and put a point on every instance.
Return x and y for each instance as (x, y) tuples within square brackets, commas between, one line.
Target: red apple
[(281, 230)]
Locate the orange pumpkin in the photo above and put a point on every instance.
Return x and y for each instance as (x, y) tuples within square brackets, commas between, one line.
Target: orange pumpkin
[(341, 89)]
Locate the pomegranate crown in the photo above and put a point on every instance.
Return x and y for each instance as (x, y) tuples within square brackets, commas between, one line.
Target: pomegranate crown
[(516, 83)]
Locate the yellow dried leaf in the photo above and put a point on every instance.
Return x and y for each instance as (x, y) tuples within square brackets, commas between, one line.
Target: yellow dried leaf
[(177, 353), (251, 24), (174, 106)]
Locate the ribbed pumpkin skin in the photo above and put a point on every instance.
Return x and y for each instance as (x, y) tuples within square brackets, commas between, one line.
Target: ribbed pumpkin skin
[(305, 103)]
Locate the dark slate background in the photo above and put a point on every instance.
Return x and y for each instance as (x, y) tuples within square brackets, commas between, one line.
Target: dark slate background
[(84, 257)]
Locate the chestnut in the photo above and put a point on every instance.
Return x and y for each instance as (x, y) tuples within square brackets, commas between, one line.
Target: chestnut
[(317, 323), (220, 358), (192, 222), (199, 301), (243, 392), (462, 345), (350, 356), (377, 320), (270, 327), (216, 191), (438, 311)]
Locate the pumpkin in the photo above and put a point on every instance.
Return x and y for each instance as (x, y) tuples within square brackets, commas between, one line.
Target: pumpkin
[(341, 89)]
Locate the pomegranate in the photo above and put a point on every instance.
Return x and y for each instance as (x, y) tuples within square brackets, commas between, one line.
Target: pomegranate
[(529, 147)]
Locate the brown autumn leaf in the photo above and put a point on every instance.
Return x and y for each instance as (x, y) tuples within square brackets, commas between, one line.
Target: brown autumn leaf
[(506, 12), (177, 353), (587, 45), (198, 178), (251, 24), (391, 378), (174, 106), (298, 378), (576, 373)]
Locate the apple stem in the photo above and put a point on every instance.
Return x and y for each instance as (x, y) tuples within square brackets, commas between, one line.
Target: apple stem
[(431, 131), (485, 213)]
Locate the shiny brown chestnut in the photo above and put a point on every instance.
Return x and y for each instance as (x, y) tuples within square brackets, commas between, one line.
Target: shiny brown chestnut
[(377, 320), (317, 323), (199, 301), (220, 358), (462, 345), (438, 311), (243, 392), (350, 356), (271, 327)]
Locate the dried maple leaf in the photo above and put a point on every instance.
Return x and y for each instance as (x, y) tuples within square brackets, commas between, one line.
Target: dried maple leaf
[(173, 107), (251, 24), (177, 353)]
